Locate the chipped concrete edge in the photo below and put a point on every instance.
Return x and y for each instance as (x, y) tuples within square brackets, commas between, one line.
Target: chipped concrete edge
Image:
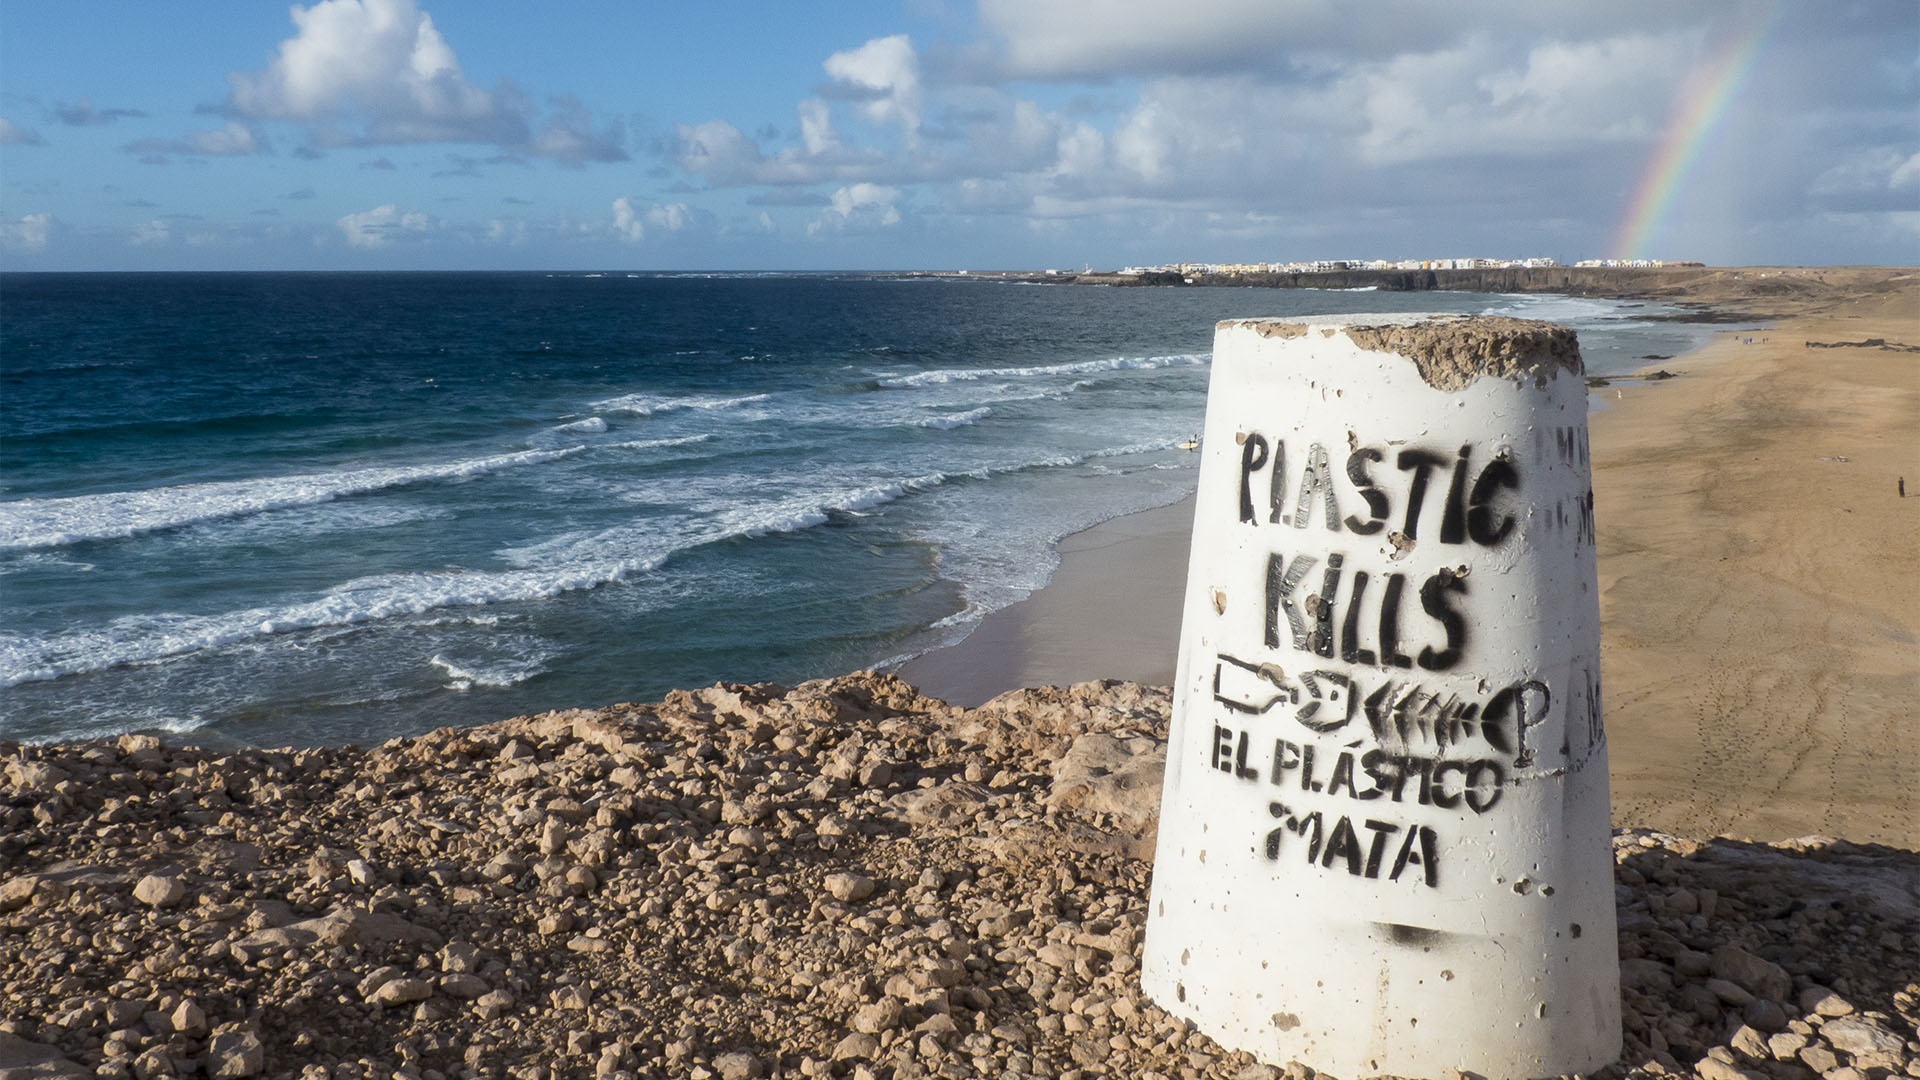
[(1449, 351)]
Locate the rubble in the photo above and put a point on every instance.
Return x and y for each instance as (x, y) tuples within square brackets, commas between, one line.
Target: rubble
[(841, 879)]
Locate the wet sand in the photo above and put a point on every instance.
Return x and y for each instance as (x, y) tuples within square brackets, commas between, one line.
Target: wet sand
[(1759, 572)]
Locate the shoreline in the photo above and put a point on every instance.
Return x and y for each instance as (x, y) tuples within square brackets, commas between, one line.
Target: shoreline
[(1112, 608)]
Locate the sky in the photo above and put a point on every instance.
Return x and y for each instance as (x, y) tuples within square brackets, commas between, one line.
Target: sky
[(947, 134)]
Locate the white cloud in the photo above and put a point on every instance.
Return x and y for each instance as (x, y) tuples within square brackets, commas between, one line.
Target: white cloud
[(858, 206), (153, 232), (234, 140), (12, 134), (886, 72), (672, 217), (816, 127), (626, 222), (1876, 178), (382, 225), (382, 66), (513, 234), (632, 224), (1906, 175), (31, 233)]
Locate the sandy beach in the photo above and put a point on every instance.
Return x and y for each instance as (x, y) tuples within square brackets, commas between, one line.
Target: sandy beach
[(1760, 588)]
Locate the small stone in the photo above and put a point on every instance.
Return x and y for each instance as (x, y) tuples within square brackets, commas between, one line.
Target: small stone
[(849, 887), (855, 1046), (1845, 1072), (1712, 1068), (1750, 1042), (571, 997), (189, 1020), (493, 1005), (581, 880), (401, 992), (1766, 1015), (1819, 1058), (235, 1054), (463, 986), (1731, 993), (1867, 1042), (1821, 1001), (1786, 1046), (361, 873), (555, 922), (160, 890), (739, 1065), (882, 1015), (1758, 976)]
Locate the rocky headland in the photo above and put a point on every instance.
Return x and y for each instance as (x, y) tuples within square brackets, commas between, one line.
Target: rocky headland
[(845, 879)]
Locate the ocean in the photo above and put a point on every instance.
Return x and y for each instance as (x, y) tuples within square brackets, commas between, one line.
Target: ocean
[(282, 509)]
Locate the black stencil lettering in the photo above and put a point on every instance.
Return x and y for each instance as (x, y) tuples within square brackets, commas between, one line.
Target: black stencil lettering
[(1453, 520), (1433, 602), (1390, 624), (1350, 649), (1443, 798), (1342, 773), (1313, 844), (1280, 599), (1321, 607), (1505, 720), (1375, 499), (1485, 529), (1253, 455), (1425, 767), (1286, 756), (1306, 769), (1240, 768), (1278, 811), (1316, 481), (1485, 780), (1381, 830), (1277, 480), (1222, 747), (1426, 858), (1370, 765), (1343, 844), (1422, 463)]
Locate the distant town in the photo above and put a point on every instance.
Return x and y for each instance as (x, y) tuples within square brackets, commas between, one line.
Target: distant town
[(1325, 266)]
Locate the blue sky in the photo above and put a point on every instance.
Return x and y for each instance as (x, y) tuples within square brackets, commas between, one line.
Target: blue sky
[(415, 134)]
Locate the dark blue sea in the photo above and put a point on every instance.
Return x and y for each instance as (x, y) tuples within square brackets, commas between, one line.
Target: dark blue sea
[(308, 508)]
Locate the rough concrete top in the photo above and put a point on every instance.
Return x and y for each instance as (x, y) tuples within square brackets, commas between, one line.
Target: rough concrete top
[(1450, 351)]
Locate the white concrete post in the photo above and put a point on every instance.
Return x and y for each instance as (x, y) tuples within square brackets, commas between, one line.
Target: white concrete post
[(1384, 832)]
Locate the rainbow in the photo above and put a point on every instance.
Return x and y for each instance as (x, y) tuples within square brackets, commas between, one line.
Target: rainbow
[(1698, 109)]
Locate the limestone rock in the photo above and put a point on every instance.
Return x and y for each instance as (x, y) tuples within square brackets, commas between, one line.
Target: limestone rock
[(235, 1054), (160, 890)]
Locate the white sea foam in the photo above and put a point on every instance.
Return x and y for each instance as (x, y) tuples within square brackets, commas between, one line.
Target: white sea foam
[(42, 523), (660, 444), (1083, 367), (565, 564), (655, 404), (1563, 309), (500, 673), (949, 421), (135, 639), (592, 425)]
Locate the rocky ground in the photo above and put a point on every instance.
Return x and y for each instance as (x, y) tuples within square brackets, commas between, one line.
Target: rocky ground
[(844, 879)]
